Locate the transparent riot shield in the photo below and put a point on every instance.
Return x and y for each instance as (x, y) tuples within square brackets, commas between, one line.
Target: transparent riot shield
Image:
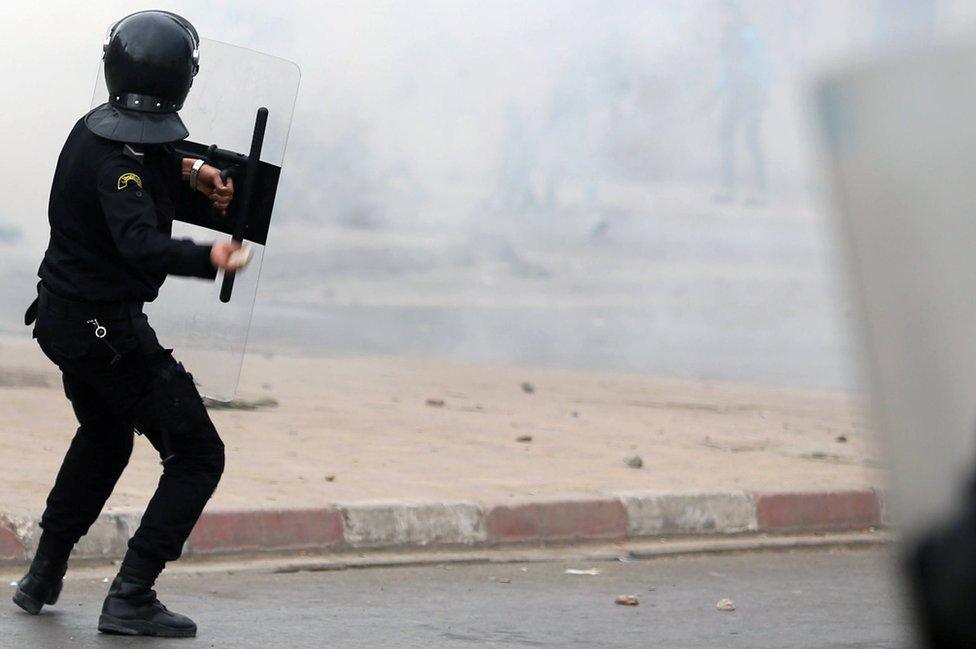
[(208, 333)]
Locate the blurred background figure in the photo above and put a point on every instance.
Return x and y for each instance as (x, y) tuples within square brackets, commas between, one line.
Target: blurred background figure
[(578, 124), (743, 91), (514, 190)]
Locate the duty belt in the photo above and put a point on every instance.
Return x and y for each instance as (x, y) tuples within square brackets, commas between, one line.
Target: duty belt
[(73, 309)]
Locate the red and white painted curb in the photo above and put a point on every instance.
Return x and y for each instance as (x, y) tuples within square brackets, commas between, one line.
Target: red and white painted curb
[(410, 525)]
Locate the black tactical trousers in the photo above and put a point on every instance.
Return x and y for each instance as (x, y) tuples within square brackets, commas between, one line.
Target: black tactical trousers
[(120, 380)]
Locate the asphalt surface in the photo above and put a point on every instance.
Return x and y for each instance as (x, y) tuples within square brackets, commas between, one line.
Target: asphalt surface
[(680, 291), (822, 599)]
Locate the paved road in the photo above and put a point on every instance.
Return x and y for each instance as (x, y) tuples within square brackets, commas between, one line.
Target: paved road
[(683, 290), (826, 600), (686, 295)]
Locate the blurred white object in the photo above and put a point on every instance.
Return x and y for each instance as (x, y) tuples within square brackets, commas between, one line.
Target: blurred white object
[(901, 148), (592, 572)]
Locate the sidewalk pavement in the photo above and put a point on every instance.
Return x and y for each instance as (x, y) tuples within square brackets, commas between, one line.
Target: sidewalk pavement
[(405, 452)]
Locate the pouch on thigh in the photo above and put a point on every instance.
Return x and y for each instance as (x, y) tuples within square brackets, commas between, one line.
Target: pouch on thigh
[(172, 415)]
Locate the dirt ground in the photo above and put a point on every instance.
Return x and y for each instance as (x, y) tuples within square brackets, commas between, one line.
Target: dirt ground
[(357, 428)]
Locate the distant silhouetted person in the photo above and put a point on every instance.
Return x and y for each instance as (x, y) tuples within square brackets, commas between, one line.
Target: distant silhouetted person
[(514, 192), (743, 90)]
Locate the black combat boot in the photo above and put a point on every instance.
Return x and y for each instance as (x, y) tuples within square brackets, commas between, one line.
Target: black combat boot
[(132, 608), (41, 585)]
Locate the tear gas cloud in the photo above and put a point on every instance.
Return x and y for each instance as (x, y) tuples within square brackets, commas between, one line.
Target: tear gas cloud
[(575, 184)]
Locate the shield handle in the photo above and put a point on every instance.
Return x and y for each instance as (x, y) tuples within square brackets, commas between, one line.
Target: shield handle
[(247, 192)]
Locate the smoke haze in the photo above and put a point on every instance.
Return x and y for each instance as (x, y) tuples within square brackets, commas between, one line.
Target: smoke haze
[(614, 185)]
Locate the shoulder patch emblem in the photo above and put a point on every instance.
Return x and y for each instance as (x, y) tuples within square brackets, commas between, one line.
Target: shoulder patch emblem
[(125, 179)]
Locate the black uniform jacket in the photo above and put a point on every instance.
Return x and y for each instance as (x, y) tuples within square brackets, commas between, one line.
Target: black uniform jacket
[(111, 213)]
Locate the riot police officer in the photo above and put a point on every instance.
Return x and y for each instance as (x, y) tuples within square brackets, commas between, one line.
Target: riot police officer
[(116, 190)]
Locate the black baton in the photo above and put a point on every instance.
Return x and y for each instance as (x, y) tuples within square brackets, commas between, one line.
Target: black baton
[(250, 179)]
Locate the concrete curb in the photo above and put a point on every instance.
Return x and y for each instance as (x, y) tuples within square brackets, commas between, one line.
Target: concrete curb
[(11, 546), (557, 521), (399, 525)]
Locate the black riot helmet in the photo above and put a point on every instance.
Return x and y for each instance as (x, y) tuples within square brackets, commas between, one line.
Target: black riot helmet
[(150, 60)]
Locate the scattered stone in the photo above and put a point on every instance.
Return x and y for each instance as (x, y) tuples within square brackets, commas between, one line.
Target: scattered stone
[(634, 461), (627, 600), (841, 439), (524, 439), (821, 456), (330, 477), (504, 580), (528, 388), (574, 414), (725, 604), (435, 403), (240, 404)]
